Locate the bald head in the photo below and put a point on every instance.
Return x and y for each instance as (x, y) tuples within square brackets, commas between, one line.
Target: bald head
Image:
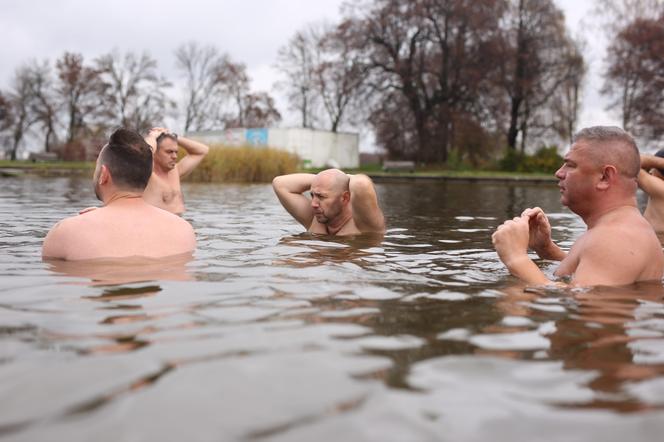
[(610, 145), (333, 180)]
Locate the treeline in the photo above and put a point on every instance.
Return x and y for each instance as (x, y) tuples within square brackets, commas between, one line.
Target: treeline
[(434, 80), (72, 104)]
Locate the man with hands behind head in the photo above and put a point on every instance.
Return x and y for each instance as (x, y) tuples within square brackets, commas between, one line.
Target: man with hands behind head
[(598, 182), (340, 204), (164, 189), (651, 181)]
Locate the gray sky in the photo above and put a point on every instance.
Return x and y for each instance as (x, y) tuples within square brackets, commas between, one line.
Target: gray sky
[(251, 31)]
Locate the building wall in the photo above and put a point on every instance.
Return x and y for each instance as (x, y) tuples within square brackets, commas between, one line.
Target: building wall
[(315, 148)]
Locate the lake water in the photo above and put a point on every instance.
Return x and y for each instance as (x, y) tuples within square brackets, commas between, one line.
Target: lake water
[(269, 334)]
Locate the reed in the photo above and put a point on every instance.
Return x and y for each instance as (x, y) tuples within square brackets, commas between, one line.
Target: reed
[(245, 164)]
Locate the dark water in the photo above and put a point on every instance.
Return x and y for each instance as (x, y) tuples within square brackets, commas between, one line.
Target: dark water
[(271, 334)]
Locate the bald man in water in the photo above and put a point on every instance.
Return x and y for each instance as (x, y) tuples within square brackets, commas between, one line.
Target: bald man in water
[(126, 225), (340, 204), (598, 182)]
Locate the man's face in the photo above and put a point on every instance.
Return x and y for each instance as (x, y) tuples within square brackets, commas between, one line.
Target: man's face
[(326, 203), (166, 155), (577, 176)]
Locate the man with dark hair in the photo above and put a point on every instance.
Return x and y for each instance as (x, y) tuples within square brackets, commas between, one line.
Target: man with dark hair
[(340, 204), (598, 182), (163, 190), (126, 225), (651, 181)]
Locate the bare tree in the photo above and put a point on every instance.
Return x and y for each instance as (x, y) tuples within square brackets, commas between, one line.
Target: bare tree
[(234, 84), (635, 77), (539, 61), (43, 102), (566, 102), (20, 98), (615, 15), (6, 118), (257, 111), (339, 73), (134, 90), (200, 66), (297, 63), (80, 92), (437, 55)]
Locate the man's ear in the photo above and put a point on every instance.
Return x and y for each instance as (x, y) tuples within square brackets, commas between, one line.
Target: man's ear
[(345, 197), (609, 175), (104, 175)]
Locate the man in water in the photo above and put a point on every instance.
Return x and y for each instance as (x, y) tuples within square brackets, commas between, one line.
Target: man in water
[(651, 181), (598, 182), (126, 225), (164, 187), (340, 204)]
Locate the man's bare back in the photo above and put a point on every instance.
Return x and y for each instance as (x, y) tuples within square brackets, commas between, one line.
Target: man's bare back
[(124, 228), (127, 225)]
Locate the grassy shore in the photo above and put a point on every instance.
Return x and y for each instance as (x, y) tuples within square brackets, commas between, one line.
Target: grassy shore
[(245, 165)]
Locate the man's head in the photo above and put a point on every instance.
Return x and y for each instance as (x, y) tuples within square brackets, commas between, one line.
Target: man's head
[(330, 195), (166, 154), (603, 161), (125, 162)]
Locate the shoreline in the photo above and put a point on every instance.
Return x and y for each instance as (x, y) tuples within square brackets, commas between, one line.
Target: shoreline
[(47, 170)]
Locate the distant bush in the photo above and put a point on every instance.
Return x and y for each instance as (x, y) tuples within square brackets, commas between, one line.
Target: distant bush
[(244, 165), (545, 160)]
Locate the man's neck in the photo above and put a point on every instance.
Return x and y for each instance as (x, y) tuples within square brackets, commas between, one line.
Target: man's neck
[(334, 227), (600, 215), (122, 196), (159, 170)]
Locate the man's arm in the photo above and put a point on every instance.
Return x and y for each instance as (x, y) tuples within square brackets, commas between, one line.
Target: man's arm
[(55, 245), (610, 258), (289, 190), (650, 184), (511, 242), (196, 151), (539, 235), (366, 212), (152, 136)]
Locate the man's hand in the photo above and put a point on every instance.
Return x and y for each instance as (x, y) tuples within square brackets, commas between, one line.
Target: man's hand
[(152, 136), (511, 242), (539, 238)]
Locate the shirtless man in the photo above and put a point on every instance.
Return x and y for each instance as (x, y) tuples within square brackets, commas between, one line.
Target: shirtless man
[(126, 225), (651, 181), (340, 204), (164, 187), (597, 182)]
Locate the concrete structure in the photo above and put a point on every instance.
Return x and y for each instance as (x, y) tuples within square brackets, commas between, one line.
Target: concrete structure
[(316, 148)]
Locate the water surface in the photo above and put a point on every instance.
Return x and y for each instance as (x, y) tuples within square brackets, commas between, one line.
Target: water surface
[(273, 334)]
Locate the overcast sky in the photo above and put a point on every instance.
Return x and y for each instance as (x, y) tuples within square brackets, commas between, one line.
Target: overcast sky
[(251, 31)]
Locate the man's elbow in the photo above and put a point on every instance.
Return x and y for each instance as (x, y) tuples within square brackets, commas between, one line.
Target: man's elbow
[(278, 182)]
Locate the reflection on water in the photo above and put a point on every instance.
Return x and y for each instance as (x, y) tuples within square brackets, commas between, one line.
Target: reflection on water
[(269, 333)]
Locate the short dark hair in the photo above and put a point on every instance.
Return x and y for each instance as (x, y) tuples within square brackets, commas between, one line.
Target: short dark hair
[(613, 146), (163, 135), (128, 158)]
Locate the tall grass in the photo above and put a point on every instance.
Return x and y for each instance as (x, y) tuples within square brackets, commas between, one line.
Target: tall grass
[(244, 165)]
